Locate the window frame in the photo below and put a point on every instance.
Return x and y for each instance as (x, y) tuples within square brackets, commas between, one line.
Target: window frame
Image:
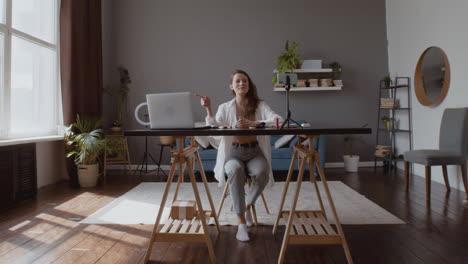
[(5, 97)]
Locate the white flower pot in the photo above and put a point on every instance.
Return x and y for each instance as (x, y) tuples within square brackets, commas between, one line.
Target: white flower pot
[(88, 175), (351, 163)]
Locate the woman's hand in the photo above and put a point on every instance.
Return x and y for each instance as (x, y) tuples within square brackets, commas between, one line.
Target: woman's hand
[(245, 123), (204, 100)]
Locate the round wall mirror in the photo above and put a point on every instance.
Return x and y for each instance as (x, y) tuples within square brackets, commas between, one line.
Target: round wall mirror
[(432, 76)]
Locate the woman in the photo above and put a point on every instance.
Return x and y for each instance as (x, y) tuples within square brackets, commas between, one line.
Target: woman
[(242, 156)]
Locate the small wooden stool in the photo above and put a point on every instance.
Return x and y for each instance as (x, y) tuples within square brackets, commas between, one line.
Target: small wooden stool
[(254, 212), (119, 142)]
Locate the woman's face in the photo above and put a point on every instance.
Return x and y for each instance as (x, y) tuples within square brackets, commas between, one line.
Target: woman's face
[(240, 84)]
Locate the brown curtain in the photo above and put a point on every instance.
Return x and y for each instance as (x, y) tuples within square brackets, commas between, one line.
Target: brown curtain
[(80, 64), (81, 58)]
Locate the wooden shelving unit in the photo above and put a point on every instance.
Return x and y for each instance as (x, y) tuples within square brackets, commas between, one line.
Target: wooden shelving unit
[(390, 135)]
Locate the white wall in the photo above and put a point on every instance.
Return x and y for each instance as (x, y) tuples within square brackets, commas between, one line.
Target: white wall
[(50, 158), (413, 26)]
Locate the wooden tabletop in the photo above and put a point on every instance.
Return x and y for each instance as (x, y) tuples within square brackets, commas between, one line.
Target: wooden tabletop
[(246, 132)]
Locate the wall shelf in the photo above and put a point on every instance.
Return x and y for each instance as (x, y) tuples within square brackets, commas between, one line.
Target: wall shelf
[(312, 88), (309, 70), (305, 89)]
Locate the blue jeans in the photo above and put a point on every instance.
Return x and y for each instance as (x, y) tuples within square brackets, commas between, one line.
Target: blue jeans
[(245, 161)]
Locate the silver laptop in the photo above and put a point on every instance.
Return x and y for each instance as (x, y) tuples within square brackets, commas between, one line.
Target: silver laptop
[(168, 110)]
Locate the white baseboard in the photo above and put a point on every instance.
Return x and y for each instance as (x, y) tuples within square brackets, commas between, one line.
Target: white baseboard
[(362, 164), (134, 167)]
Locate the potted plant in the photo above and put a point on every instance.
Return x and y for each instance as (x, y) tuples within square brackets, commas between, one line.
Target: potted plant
[(388, 121), (87, 143), (120, 94), (387, 80), (351, 160), (288, 60), (336, 73)]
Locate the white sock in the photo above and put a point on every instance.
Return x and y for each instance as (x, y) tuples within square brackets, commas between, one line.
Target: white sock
[(248, 218), (242, 234)]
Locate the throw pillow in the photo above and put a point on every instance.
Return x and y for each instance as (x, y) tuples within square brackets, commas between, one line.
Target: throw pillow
[(283, 141), (203, 141)]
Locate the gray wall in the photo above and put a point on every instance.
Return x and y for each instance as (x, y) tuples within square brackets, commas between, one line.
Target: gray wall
[(171, 46)]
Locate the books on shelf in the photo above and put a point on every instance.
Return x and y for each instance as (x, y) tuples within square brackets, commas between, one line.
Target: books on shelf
[(382, 151), (388, 103)]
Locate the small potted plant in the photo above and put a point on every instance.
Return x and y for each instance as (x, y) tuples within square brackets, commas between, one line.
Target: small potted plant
[(86, 140), (387, 80), (336, 73), (388, 121), (120, 94), (351, 160), (288, 60)]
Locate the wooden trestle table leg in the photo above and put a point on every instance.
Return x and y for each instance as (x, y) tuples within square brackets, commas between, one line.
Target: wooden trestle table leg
[(285, 191), (184, 157), (284, 245), (160, 212), (311, 158), (333, 209)]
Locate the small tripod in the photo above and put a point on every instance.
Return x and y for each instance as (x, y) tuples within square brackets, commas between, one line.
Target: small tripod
[(143, 166), (288, 120)]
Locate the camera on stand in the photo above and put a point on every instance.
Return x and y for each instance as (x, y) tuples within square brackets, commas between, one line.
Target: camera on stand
[(287, 79)]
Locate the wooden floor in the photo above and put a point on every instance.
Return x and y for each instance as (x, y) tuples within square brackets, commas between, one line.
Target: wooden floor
[(47, 231)]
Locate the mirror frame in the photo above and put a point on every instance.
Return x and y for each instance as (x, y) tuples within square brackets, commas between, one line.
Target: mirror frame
[(418, 82)]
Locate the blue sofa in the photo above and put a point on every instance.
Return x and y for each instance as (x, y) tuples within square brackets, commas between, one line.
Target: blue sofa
[(280, 157)]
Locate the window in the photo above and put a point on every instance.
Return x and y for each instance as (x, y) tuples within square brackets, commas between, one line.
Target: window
[(30, 102)]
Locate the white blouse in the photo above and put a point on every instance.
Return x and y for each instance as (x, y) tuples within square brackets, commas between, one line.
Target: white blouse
[(226, 116)]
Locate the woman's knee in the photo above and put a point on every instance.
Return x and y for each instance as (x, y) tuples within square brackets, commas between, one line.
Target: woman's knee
[(234, 167), (258, 167)]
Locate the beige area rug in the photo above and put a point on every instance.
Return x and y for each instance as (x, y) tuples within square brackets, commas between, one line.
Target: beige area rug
[(140, 205)]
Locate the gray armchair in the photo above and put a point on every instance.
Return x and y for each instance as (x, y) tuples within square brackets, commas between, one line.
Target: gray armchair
[(453, 150)]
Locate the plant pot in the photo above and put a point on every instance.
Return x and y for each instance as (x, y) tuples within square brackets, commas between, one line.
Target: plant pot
[(389, 125), (325, 82), (338, 82), (88, 175), (116, 130), (351, 163)]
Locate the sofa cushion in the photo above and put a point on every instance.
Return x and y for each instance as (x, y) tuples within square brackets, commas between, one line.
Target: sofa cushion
[(283, 141), (281, 153), (203, 141)]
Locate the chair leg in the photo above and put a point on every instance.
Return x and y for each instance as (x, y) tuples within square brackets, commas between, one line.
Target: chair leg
[(406, 175), (265, 203), (223, 197), (254, 212), (444, 173), (428, 184), (465, 182)]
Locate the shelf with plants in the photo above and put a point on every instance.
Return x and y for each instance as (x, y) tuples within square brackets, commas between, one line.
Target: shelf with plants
[(306, 89), (388, 123), (393, 87), (310, 78)]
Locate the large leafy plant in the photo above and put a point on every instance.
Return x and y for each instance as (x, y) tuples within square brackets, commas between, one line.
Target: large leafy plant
[(86, 141), (120, 93), (288, 60)]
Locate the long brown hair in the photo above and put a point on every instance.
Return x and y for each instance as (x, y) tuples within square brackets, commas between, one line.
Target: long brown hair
[(251, 96)]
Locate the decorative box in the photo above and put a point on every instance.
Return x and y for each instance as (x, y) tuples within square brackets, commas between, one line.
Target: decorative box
[(311, 64), (183, 209)]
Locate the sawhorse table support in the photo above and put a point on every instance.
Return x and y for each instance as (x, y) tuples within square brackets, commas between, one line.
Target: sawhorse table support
[(187, 230), (309, 227)]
